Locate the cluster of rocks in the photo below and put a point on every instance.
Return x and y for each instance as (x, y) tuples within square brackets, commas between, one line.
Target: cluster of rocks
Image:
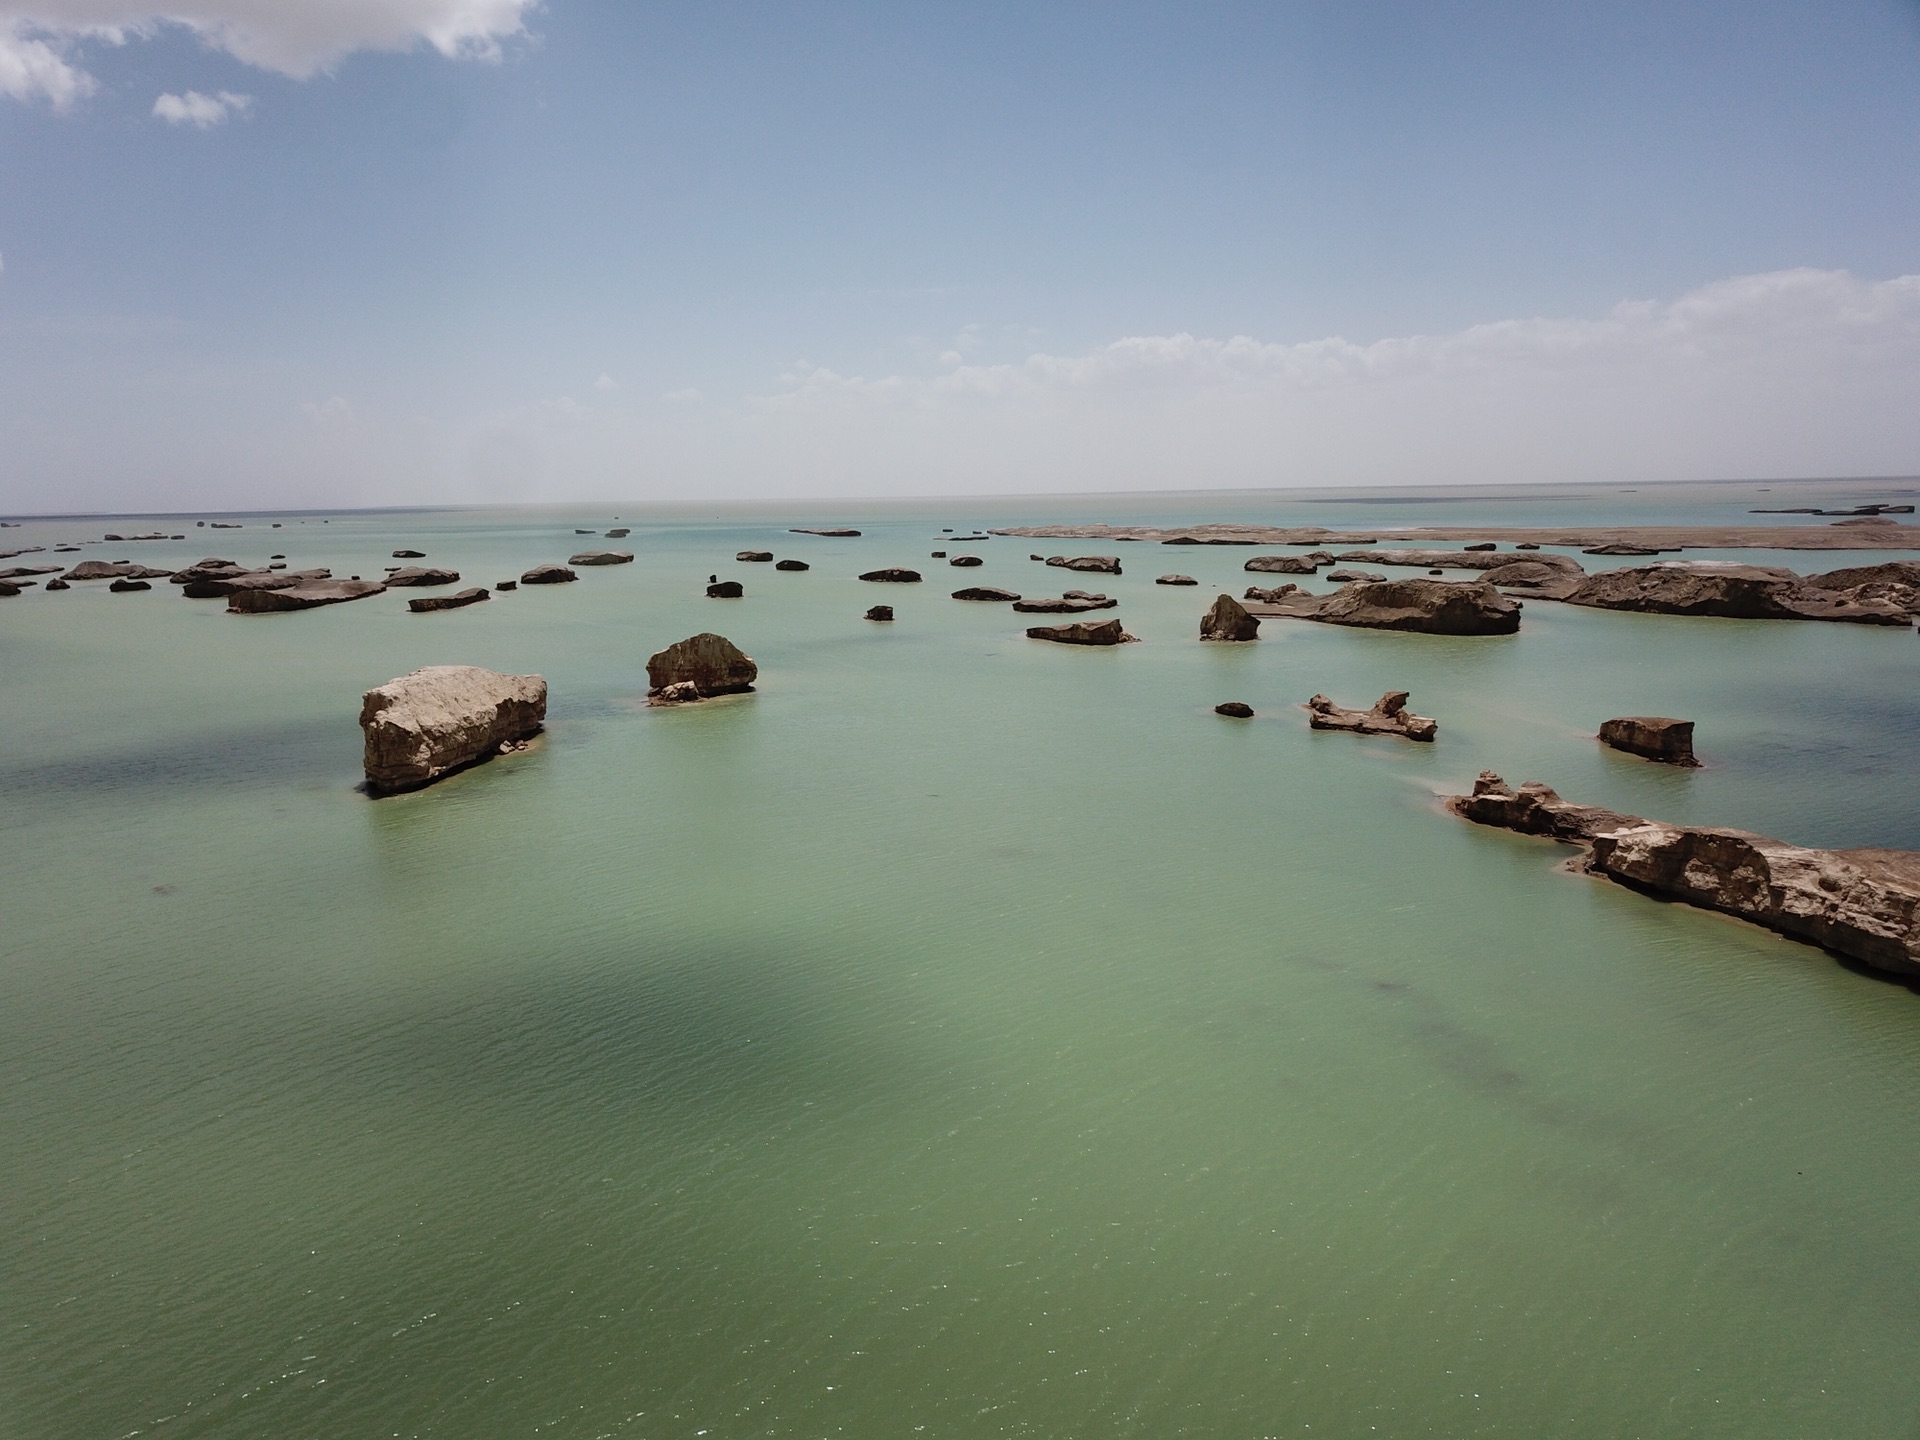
[(1863, 904), (1887, 594), (1433, 607)]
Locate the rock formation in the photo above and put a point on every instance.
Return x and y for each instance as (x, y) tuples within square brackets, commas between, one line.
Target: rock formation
[(792, 565), (398, 555), (966, 560), (620, 534), (880, 612), (1432, 607), (1529, 575), (1621, 547), (711, 663), (1283, 564), (1863, 904), (823, 532), (1176, 580), (984, 592), (1237, 709), (547, 575), (305, 595), (507, 585), (1082, 632), (893, 576), (54, 584), (1065, 605), (426, 603), (755, 556), (114, 570), (1389, 716), (726, 590), (425, 575), (443, 718), (1653, 737), (124, 586), (1735, 592), (1453, 559), (1349, 576), (1228, 620), (601, 557), (1105, 564), (1273, 596)]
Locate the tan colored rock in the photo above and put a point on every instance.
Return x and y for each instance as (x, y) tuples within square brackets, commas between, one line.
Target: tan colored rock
[(1728, 591), (1105, 564), (711, 663), (1283, 564), (1652, 737), (422, 575), (1389, 716), (443, 718), (1228, 620), (1432, 607), (307, 595)]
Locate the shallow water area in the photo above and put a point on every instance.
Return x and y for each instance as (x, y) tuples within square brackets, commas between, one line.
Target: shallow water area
[(960, 1036)]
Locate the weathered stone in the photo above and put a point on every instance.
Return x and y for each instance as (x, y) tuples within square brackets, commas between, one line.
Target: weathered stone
[(713, 664), (936, 554), (424, 575), (1237, 709), (1349, 576), (1105, 564), (1176, 580), (1228, 620), (681, 692), (114, 570), (21, 572), (124, 586), (1863, 904), (601, 557), (726, 590), (507, 585), (893, 576), (1452, 559), (56, 584), (8, 589), (1282, 564), (443, 718), (880, 612), (1483, 545), (792, 565), (1653, 737), (620, 533), (799, 531), (984, 592), (1728, 591), (1528, 575), (306, 595), (426, 603), (1269, 597), (1433, 607), (1082, 632), (547, 575), (1389, 716), (400, 555), (1621, 547), (754, 556), (966, 560), (1065, 605)]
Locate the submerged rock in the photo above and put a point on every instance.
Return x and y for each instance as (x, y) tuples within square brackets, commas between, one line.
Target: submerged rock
[(547, 575), (305, 595), (1082, 632), (1654, 737), (1176, 580), (443, 718), (984, 592), (1863, 904), (880, 612), (619, 534), (893, 576), (1389, 716), (1237, 709), (1228, 620), (711, 663), (601, 557), (726, 590), (426, 603)]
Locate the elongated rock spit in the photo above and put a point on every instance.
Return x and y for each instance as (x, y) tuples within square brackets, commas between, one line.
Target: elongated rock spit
[(601, 557), (443, 718), (1105, 564), (423, 575), (459, 600), (1739, 592), (710, 663), (1082, 632), (1176, 580), (1864, 904), (307, 595), (893, 576), (1283, 564), (1389, 716), (985, 592), (1432, 607), (1653, 737), (1228, 620), (1065, 605)]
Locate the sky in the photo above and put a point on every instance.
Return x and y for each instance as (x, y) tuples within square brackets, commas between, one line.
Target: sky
[(292, 253)]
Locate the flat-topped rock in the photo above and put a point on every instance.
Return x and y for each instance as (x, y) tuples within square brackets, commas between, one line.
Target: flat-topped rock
[(1430, 607), (710, 663), (1228, 620), (893, 575), (619, 533), (444, 718), (1454, 559), (754, 557), (114, 570), (403, 555), (601, 557), (1732, 592), (547, 575), (792, 565), (799, 530), (1082, 632), (1389, 716), (1653, 737), (1863, 904), (1349, 576), (1065, 605), (985, 592), (1105, 564), (459, 600), (1175, 580), (1621, 547), (304, 595), (21, 572), (124, 586), (424, 575), (1529, 575), (1283, 564)]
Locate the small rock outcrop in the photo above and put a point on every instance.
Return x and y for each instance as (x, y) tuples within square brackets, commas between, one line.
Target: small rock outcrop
[(124, 586), (305, 595), (1282, 564), (1653, 737), (1528, 575), (792, 565), (1228, 620), (1389, 716), (1235, 709), (620, 533), (547, 575), (880, 612), (1272, 596), (754, 556), (1431, 607), (1082, 632), (1349, 576), (1863, 904), (601, 557), (1176, 580), (984, 592), (54, 584), (425, 603), (893, 575), (726, 590), (837, 533), (425, 575), (711, 664), (1735, 592), (398, 555), (114, 570), (1065, 605), (444, 718), (507, 585), (965, 561), (1105, 564)]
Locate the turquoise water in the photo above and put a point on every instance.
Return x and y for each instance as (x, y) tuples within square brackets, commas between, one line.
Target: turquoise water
[(961, 1036)]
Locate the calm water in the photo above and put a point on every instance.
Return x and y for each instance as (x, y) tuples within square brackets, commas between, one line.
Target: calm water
[(960, 1037)]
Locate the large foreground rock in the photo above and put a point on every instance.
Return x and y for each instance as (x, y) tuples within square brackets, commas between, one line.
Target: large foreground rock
[(442, 719), (1082, 632), (1737, 592), (1228, 620), (1389, 716), (1653, 737), (1431, 607), (307, 595), (1864, 904), (711, 664)]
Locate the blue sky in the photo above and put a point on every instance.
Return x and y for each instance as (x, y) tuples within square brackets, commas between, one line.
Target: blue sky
[(402, 251)]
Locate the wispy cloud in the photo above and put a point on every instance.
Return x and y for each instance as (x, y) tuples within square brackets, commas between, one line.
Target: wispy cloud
[(199, 110)]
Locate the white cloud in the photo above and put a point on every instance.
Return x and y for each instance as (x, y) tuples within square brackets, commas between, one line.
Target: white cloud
[(299, 38), (193, 108), (606, 382)]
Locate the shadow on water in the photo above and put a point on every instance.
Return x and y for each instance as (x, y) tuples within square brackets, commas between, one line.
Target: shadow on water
[(292, 752)]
